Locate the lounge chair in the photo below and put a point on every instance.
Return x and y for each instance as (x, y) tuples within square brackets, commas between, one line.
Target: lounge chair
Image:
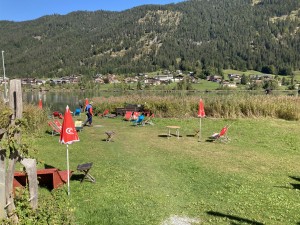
[(221, 136), (139, 120), (149, 120), (77, 112), (54, 127), (58, 124), (104, 114)]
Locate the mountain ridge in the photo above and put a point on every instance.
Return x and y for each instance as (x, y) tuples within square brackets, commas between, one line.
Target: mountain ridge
[(201, 36)]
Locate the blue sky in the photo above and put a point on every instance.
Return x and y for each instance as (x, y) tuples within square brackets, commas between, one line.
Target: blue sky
[(22, 10)]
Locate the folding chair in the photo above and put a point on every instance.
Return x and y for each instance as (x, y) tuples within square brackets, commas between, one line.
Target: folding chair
[(105, 113), (85, 168), (58, 124), (54, 127), (221, 136), (149, 120), (139, 120), (77, 112), (110, 135)]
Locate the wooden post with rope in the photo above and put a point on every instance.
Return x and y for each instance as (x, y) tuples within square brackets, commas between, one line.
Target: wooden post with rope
[(16, 105)]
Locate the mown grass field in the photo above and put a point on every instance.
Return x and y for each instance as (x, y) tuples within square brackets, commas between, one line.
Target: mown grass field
[(145, 178)]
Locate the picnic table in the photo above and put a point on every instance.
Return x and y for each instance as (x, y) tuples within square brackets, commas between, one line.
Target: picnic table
[(176, 128)]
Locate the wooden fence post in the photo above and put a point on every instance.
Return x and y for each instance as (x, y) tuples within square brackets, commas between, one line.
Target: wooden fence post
[(16, 104), (2, 177), (2, 183)]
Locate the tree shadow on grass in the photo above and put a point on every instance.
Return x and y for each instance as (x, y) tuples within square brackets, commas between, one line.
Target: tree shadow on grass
[(295, 178), (235, 218), (294, 185)]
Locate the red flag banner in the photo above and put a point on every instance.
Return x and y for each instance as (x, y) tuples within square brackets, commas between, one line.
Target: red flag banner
[(68, 133), (201, 112)]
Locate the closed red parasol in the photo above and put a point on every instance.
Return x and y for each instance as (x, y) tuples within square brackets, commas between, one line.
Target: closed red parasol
[(68, 135), (40, 104), (201, 114)]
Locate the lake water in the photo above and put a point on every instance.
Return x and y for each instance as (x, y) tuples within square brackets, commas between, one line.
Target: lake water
[(57, 101)]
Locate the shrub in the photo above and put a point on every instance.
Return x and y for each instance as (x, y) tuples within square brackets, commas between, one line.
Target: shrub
[(36, 118), (53, 208), (225, 106)]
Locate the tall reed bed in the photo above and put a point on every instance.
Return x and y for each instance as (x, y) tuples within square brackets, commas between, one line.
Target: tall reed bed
[(36, 118), (223, 106)]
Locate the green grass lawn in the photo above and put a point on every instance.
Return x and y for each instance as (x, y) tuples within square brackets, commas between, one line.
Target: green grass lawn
[(145, 178), (297, 75)]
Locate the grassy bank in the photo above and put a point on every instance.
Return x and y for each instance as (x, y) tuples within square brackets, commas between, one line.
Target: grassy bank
[(144, 178)]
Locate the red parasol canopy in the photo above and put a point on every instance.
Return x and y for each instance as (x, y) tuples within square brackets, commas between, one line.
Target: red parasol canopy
[(68, 133), (40, 104), (201, 112)]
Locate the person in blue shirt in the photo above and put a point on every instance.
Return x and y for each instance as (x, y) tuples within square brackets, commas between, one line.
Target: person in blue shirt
[(89, 113)]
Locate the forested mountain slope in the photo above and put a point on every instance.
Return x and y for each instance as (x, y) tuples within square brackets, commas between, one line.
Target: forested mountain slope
[(192, 35)]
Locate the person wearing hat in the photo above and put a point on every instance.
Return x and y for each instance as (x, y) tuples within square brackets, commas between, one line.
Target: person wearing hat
[(89, 114)]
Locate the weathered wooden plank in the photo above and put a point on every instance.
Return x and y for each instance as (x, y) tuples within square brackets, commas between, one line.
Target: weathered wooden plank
[(30, 166), (2, 184)]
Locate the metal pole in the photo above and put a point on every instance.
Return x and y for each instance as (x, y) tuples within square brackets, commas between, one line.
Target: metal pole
[(200, 130), (68, 168), (4, 80)]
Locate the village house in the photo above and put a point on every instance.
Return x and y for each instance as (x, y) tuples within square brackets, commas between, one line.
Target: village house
[(178, 78), (168, 77), (3, 81), (112, 79), (228, 84), (130, 80), (214, 78), (152, 81), (179, 72), (98, 80)]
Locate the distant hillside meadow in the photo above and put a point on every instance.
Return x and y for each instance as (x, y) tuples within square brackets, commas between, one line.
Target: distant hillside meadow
[(200, 36)]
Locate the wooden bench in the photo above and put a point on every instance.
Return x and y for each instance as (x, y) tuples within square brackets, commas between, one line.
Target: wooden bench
[(50, 178)]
